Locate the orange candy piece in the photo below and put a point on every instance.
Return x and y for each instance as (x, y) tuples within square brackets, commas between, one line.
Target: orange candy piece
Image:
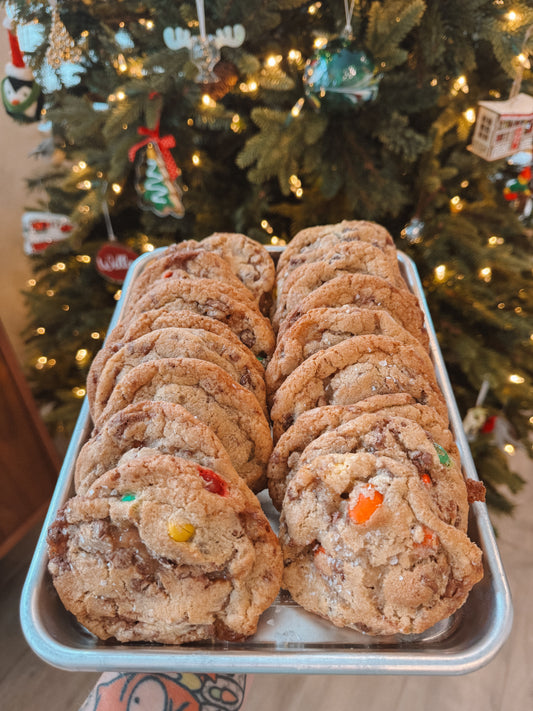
[(368, 502)]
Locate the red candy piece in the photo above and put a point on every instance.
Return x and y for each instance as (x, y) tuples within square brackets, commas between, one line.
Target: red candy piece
[(215, 484)]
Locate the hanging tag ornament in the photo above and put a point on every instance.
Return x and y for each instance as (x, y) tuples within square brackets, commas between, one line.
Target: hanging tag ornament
[(113, 259), (157, 173)]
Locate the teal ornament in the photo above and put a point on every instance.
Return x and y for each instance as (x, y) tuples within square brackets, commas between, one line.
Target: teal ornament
[(341, 73)]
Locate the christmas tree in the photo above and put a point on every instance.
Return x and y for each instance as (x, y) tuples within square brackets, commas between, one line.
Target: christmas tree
[(169, 121)]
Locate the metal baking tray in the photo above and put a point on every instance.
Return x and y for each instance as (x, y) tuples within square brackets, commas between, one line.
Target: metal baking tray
[(288, 639)]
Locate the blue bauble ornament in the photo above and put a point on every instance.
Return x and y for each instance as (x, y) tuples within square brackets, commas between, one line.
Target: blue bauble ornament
[(341, 73)]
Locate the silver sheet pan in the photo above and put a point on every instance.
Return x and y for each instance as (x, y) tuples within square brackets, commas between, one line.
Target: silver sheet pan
[(288, 639)]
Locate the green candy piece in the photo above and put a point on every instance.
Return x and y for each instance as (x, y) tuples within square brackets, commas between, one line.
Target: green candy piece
[(444, 457), (128, 497)]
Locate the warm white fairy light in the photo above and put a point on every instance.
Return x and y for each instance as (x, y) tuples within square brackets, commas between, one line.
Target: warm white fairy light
[(122, 64), (509, 449), (79, 392), (118, 293), (120, 95), (320, 42), (314, 8), (470, 115), (273, 60), (81, 354), (296, 109), (495, 240), (148, 247), (31, 283), (42, 360), (516, 379), (440, 272), (50, 292), (65, 307), (486, 274), (84, 185), (512, 16), (83, 258), (95, 335), (294, 55), (116, 188), (41, 330), (59, 267), (208, 102), (265, 224), (456, 204), (195, 159)]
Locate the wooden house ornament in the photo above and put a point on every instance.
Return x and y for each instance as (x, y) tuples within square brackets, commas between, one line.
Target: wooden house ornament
[(503, 128)]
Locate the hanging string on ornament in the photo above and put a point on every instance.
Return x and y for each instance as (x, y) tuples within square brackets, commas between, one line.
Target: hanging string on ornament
[(113, 259), (61, 46), (157, 173), (476, 416), (204, 49)]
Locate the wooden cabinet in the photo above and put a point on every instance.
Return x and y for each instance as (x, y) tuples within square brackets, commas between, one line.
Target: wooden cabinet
[(29, 463)]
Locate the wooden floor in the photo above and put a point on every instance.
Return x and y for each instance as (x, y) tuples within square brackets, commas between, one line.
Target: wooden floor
[(505, 684)]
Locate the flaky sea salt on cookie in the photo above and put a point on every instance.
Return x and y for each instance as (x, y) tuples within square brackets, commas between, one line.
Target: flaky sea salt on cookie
[(161, 549), (209, 297), (365, 548), (212, 396), (327, 264), (313, 423), (148, 427), (143, 324), (352, 371), (368, 292), (237, 360), (186, 263), (324, 327)]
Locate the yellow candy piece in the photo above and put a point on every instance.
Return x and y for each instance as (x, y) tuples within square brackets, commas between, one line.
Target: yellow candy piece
[(180, 532)]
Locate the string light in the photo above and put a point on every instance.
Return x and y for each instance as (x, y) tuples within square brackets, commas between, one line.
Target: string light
[(148, 247), (495, 240), (195, 159), (116, 188), (208, 101), (95, 335), (65, 307), (516, 379), (31, 283), (296, 109), (512, 16), (267, 226), (320, 42), (294, 55), (314, 8), (41, 330), (79, 392), (83, 258), (486, 274), (509, 449), (440, 272), (470, 115), (273, 60), (82, 354), (50, 292), (118, 293), (456, 204), (121, 95), (84, 185)]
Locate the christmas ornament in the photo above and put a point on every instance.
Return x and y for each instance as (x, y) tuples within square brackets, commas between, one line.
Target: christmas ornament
[(505, 127), (517, 192), (21, 95), (41, 229), (227, 76), (156, 173), (204, 49), (413, 231), (341, 73), (61, 46), (113, 261)]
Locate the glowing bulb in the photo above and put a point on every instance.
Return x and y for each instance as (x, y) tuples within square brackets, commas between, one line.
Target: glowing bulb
[(121, 95), (320, 42), (82, 165), (118, 293), (78, 392), (296, 109), (252, 86), (208, 101), (516, 379), (40, 330), (509, 449), (50, 292), (81, 354), (95, 335), (42, 360), (485, 274), (149, 24), (116, 188), (264, 224), (273, 60), (84, 258), (512, 16), (440, 272), (148, 247), (294, 55), (314, 8), (470, 115), (195, 159), (31, 282)]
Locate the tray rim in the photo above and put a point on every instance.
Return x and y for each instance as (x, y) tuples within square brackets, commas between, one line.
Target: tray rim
[(278, 660)]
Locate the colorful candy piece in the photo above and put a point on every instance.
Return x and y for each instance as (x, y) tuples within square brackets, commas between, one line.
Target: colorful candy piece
[(180, 532), (429, 538), (215, 484), (444, 457), (426, 479), (128, 496), (368, 502)]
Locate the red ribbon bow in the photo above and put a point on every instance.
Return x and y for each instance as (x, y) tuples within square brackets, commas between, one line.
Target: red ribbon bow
[(164, 143)]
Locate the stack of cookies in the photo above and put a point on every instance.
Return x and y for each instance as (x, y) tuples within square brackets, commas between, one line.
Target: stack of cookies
[(365, 470), (165, 540)]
